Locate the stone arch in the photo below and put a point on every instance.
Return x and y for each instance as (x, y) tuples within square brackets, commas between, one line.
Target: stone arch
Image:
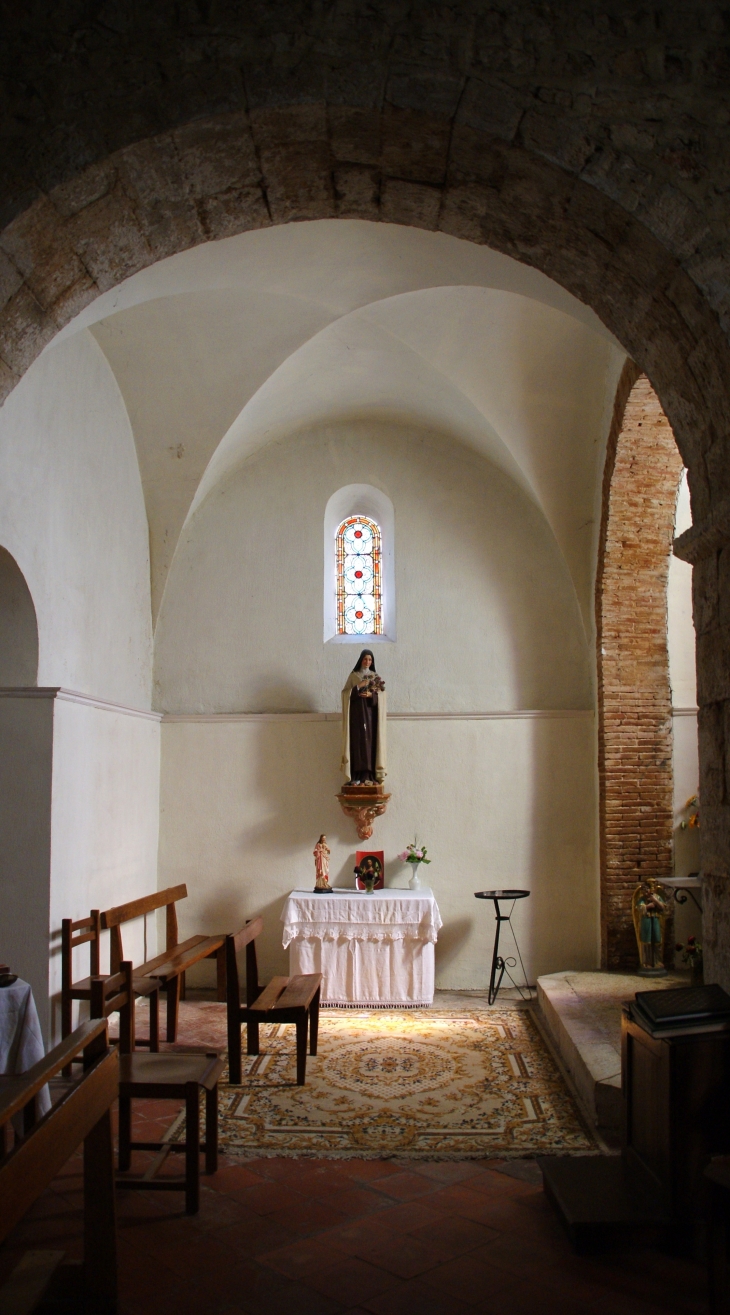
[(468, 175), (18, 627), (641, 480)]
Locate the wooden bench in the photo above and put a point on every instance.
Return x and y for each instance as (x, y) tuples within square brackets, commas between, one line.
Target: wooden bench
[(82, 1114), (169, 968), (88, 931), (284, 1000)]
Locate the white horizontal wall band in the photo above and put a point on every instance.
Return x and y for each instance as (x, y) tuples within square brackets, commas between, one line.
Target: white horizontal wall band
[(73, 696), (685, 712), (527, 714)]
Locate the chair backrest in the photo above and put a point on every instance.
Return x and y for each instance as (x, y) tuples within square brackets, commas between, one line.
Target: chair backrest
[(79, 933), (112, 919), (114, 994), (245, 938)]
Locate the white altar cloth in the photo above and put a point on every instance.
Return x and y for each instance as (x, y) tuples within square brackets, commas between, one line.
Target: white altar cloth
[(371, 949), (21, 1039)]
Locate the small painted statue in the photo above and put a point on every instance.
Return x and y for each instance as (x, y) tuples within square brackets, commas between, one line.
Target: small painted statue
[(322, 864), (650, 910)]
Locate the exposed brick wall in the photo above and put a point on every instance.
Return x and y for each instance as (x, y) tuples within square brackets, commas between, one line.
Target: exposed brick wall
[(643, 469)]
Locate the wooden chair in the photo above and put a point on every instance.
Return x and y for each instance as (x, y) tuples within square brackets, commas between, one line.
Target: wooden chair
[(168, 1076), (88, 930), (167, 969), (82, 1114), (284, 1000)]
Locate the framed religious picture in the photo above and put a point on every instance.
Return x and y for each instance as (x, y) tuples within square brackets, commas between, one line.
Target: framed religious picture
[(370, 863)]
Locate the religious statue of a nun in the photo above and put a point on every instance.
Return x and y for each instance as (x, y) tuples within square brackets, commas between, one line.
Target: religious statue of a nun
[(363, 723)]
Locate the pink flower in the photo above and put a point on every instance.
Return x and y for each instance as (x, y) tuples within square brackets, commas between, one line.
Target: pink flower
[(404, 856)]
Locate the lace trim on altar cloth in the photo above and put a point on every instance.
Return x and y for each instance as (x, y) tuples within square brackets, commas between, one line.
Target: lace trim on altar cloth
[(368, 932), (376, 1004)]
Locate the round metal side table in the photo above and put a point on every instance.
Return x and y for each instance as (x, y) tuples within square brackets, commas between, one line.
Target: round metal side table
[(498, 962)]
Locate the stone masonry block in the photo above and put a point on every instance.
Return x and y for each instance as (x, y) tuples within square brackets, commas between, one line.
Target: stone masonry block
[(38, 246), (419, 156), (562, 141), (85, 188), (410, 203), (24, 331), (108, 239), (10, 278), (234, 211), (490, 108), (298, 182), (217, 156), (357, 192), (273, 128), (354, 134)]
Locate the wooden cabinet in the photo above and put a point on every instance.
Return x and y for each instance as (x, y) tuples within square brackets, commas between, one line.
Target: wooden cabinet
[(676, 1109)]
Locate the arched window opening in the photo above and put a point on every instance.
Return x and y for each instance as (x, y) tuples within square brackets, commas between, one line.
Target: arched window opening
[(358, 558)]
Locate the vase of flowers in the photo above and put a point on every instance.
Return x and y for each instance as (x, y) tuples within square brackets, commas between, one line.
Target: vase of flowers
[(692, 956), (414, 854)]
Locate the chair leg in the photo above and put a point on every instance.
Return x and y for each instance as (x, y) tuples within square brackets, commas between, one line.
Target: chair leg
[(211, 1130), (155, 1021), (234, 1047), (173, 1003), (252, 1038), (314, 1024), (192, 1148), (302, 1048), (220, 972), (125, 1133)]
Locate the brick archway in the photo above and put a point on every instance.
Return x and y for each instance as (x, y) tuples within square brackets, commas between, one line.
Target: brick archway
[(642, 473), (250, 168)]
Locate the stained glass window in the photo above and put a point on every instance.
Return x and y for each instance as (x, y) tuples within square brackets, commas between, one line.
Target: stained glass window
[(359, 577)]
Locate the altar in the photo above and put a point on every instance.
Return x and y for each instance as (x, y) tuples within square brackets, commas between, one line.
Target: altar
[(372, 949)]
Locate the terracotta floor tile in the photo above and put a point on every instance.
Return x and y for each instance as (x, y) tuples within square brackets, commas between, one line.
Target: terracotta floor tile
[(265, 1197), (402, 1255), (234, 1176), (303, 1221), (455, 1235), (459, 1199), (405, 1186), (351, 1200), (467, 1278), (293, 1299), (368, 1170), (407, 1215), (351, 1279), (416, 1298), (300, 1258), (449, 1171)]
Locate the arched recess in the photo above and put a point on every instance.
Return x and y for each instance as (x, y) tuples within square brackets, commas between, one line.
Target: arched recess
[(468, 177), (18, 627), (641, 480)]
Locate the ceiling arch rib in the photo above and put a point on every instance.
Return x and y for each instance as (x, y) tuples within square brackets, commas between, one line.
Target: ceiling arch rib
[(337, 318)]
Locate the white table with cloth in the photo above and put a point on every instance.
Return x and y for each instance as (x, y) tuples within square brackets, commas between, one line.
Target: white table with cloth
[(373, 949), (21, 1039)]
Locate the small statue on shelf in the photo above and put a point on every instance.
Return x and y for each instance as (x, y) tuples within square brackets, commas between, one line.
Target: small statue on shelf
[(322, 865), (650, 909)]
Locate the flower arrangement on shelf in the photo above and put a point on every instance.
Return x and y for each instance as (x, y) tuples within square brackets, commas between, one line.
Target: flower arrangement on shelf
[(692, 810), (691, 955)]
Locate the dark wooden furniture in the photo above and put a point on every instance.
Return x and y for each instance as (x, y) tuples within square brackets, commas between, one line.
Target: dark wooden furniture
[(82, 1114), (284, 1000), (88, 931), (167, 969), (168, 1076), (676, 1115), (717, 1177)]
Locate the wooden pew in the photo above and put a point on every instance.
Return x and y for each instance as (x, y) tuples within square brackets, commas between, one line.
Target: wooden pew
[(82, 1114), (169, 968), (88, 931), (284, 1000)]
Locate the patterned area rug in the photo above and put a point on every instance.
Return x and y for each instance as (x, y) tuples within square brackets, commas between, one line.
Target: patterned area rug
[(426, 1084)]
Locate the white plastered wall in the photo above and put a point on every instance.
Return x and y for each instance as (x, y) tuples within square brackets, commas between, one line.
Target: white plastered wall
[(72, 515), (491, 738), (682, 676)]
